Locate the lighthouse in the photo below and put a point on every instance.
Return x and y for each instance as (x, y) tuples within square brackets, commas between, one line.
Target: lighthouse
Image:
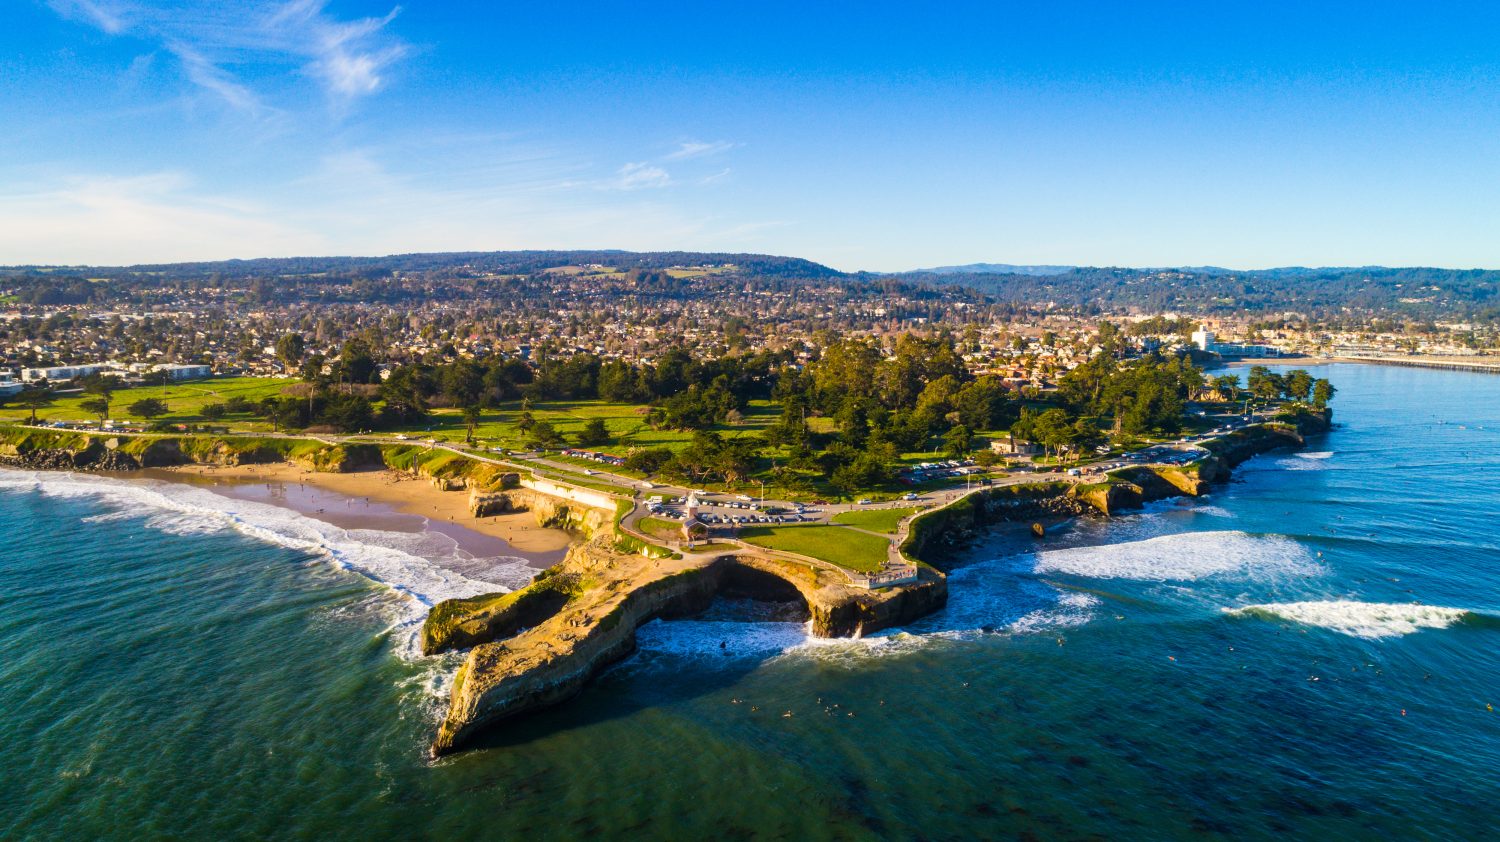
[(692, 527)]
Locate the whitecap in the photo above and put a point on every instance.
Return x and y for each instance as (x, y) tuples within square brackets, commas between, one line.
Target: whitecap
[(1213, 511), (1370, 620), (1316, 461), (1184, 556)]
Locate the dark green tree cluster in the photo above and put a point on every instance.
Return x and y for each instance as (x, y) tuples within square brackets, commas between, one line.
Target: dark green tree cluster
[(1057, 433), (1142, 395), (709, 457), (1294, 385)]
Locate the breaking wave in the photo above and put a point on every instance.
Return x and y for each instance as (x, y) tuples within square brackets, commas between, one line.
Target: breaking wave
[(993, 597), (1316, 461), (422, 568), (1185, 556), (1369, 620)]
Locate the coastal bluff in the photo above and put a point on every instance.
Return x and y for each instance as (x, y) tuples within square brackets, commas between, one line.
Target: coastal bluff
[(540, 645), (943, 532)]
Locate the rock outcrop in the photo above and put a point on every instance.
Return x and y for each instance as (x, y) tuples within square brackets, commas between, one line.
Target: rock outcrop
[(943, 532), (541, 645)]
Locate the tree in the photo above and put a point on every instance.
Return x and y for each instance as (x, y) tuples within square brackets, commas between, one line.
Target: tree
[(103, 387), (544, 435), (472, 416), (96, 406), (283, 412), (290, 348), (1322, 392), (958, 442), (1264, 384), (349, 413), (34, 397), (1228, 386), (1298, 384), (1052, 430), (148, 408), (594, 433)]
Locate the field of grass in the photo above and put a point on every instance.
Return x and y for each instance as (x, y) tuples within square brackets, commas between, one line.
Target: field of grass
[(626, 424), (875, 520), (183, 400), (659, 527), (844, 547)]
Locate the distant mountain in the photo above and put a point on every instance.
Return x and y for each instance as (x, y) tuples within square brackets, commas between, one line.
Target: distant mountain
[(763, 265), (993, 269), (1329, 292)]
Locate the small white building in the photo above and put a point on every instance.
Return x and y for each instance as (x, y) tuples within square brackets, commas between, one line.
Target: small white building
[(186, 372), (1012, 446), (60, 373), (1203, 338)]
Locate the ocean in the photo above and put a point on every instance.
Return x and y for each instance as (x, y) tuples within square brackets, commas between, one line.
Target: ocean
[(1312, 651)]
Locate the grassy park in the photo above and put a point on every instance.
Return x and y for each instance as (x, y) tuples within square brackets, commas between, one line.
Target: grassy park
[(845, 547), (184, 401), (885, 521)]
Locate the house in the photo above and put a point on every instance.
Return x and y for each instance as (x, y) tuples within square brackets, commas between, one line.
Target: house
[(1012, 446)]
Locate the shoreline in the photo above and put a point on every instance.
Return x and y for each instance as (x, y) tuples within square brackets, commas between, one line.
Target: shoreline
[(378, 499)]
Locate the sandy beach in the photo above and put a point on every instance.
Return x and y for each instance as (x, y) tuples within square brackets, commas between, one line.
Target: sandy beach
[(380, 500)]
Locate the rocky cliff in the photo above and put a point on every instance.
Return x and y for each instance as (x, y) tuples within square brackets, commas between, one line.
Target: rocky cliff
[(939, 534), (541, 645)]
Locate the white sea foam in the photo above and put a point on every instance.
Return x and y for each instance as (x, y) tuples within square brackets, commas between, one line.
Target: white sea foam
[(1317, 461), (417, 566), (702, 638), (1212, 511), (1185, 556), (994, 597), (1370, 620)]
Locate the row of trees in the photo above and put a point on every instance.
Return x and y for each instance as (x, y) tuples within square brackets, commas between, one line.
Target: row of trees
[(1295, 385), (1141, 396)]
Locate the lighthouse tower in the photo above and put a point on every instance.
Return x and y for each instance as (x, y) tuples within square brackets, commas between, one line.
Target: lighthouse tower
[(692, 527)]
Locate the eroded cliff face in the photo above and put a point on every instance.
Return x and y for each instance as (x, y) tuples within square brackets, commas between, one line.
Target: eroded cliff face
[(936, 536), (79, 451), (514, 667), (549, 510)]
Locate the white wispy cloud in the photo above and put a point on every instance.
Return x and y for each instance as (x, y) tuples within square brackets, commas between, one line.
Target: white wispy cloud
[(215, 79), (697, 149), (220, 42), (107, 16), (715, 177), (638, 176)]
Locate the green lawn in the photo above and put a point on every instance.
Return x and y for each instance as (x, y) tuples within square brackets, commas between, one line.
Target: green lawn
[(715, 547), (875, 520), (625, 422), (183, 400), (660, 527), (844, 547)]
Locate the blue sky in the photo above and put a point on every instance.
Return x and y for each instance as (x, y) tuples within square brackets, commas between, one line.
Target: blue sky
[(870, 135)]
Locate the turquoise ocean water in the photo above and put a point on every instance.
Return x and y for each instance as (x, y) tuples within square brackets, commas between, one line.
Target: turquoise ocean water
[(1309, 652)]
